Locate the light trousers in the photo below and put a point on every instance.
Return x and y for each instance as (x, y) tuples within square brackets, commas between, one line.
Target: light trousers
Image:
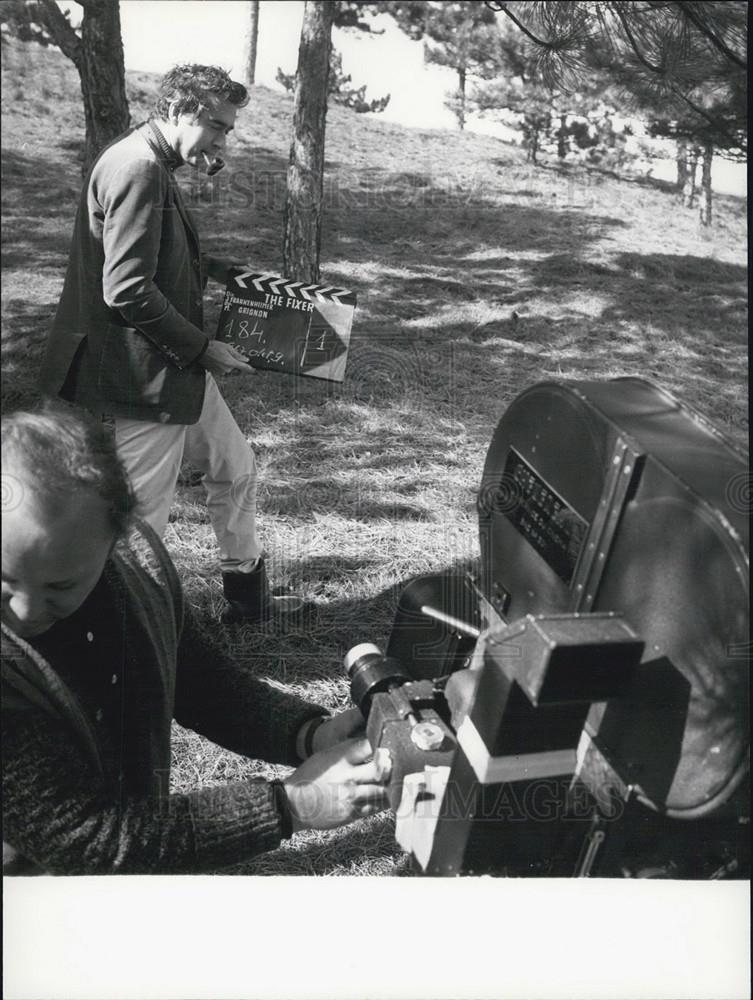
[(152, 455)]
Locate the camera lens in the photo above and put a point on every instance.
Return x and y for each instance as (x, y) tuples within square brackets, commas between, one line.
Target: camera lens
[(370, 672)]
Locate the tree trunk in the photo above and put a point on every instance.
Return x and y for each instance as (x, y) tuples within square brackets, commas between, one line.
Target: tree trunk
[(98, 57), (561, 136), (102, 73), (533, 147), (708, 155), (530, 137), (688, 193), (681, 160), (303, 204), (252, 38), (461, 98)]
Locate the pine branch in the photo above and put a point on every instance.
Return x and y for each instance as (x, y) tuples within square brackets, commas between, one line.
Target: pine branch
[(501, 8), (687, 10), (658, 55), (658, 70), (60, 30), (702, 113)]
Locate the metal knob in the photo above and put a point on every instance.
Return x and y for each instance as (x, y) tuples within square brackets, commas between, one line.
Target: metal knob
[(427, 736)]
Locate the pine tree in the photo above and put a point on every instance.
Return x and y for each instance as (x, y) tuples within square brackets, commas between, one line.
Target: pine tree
[(340, 88), (682, 64), (251, 43), (97, 54), (568, 120), (518, 87), (303, 203), (302, 217), (457, 35), (460, 36)]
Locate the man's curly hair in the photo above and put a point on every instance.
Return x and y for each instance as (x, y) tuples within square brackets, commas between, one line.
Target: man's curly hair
[(190, 88)]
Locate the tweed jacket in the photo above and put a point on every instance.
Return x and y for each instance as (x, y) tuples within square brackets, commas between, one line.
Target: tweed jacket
[(127, 334), (66, 809)]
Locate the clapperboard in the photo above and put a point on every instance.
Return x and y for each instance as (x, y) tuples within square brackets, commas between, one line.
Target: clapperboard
[(288, 326)]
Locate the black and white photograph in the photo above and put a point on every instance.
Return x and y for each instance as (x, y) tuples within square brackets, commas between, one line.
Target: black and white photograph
[(375, 499)]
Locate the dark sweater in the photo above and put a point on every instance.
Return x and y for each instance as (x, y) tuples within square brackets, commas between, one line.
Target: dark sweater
[(86, 759)]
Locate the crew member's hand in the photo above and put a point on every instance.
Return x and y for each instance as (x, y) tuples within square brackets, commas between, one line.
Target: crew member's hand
[(220, 358), (337, 786), (340, 727)]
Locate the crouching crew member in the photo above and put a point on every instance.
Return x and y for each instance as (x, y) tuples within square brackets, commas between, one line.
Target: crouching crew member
[(100, 653)]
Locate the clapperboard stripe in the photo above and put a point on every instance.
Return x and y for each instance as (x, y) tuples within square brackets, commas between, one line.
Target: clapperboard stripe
[(273, 284), (241, 279), (344, 296), (258, 282)]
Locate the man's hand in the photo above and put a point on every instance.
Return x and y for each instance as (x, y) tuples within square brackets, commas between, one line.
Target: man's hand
[(344, 726), (337, 786), (220, 358), (217, 267)]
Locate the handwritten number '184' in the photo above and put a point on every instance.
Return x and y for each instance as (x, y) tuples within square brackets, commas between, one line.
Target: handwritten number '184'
[(243, 331)]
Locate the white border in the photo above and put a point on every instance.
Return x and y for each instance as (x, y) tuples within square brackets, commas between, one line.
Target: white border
[(117, 938)]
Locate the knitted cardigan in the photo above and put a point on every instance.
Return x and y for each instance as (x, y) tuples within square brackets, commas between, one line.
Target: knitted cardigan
[(65, 813)]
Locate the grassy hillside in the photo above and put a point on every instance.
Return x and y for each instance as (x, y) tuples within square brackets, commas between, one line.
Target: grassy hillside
[(477, 275)]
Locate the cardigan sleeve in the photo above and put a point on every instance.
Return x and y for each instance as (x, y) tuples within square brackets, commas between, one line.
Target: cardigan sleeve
[(132, 202), (226, 703), (61, 815)]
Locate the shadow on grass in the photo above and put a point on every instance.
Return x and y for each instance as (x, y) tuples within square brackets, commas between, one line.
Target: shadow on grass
[(34, 188), (607, 173), (312, 644), (316, 640), (445, 272), (439, 269), (338, 850), (450, 277), (25, 324)]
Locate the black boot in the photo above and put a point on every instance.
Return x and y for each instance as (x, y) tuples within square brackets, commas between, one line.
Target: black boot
[(250, 600)]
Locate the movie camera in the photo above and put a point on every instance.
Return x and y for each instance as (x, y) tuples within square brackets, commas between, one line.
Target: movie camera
[(580, 707)]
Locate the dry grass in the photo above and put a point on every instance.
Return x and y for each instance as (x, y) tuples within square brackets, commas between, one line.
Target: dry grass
[(477, 274)]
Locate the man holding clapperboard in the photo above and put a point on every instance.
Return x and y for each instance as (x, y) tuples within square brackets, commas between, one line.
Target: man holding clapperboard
[(128, 343)]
